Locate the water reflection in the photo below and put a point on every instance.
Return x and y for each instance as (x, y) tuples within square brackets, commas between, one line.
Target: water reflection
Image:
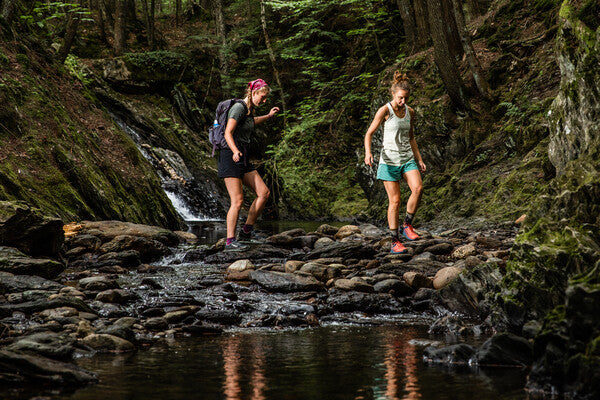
[(323, 363)]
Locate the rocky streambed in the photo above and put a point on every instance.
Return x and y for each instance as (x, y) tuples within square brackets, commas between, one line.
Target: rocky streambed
[(120, 287)]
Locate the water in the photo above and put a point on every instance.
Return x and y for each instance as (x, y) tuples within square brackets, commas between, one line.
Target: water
[(324, 363)]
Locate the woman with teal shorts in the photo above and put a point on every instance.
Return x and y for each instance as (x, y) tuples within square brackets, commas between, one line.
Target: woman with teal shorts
[(400, 159)]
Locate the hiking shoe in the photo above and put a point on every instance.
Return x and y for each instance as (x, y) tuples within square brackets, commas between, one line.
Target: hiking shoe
[(409, 232), (398, 248), (250, 237), (236, 246)]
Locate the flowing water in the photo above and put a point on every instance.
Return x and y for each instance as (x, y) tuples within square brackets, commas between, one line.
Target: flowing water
[(335, 362)]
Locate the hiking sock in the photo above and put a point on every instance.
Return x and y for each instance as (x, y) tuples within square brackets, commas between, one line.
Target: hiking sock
[(394, 234), (229, 241), (408, 219), (247, 228)]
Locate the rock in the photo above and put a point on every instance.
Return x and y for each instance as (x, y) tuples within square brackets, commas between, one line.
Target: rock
[(346, 230), (489, 242), (97, 283), (261, 252), (15, 262), (187, 237), (505, 349), (355, 285), (202, 329), (425, 256), (173, 317), (417, 280), (60, 312), (118, 296), (27, 368), (128, 259), (293, 265), (156, 324), (108, 230), (328, 230), (367, 302), (47, 344), (440, 248), (472, 262), (40, 305), (20, 283), (106, 342), (27, 229), (295, 232), (285, 282), (147, 249), (445, 276), (372, 231), (393, 286), (280, 239), (346, 251), (464, 251), (320, 271), (224, 317), (456, 354), (323, 242), (240, 265)]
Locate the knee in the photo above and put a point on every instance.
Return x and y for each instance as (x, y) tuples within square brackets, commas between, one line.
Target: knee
[(264, 193), (394, 202), (236, 202), (417, 190)]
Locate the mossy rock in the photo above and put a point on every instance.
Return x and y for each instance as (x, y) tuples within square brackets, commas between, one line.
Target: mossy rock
[(160, 66)]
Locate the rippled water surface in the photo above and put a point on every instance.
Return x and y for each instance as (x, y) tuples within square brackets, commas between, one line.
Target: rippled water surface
[(323, 363)]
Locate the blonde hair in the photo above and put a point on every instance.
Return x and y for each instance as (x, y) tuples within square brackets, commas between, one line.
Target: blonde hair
[(262, 89), (401, 82)]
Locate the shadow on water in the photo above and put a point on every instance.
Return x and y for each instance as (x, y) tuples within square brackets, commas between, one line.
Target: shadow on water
[(323, 363)]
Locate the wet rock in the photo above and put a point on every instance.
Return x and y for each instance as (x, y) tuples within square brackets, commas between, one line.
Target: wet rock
[(281, 239), (440, 248), (210, 280), (87, 242), (445, 276), (106, 342), (323, 242), (327, 229), (127, 259), (531, 329), (260, 252), (151, 283), (84, 328), (224, 317), (425, 256), (117, 296), (505, 349), (24, 368), (464, 251), (346, 230), (153, 312), (47, 344), (156, 324), (20, 283), (356, 250), (371, 231), (417, 280), (452, 324), (122, 331), (27, 229), (148, 249), (199, 329), (108, 230), (320, 271), (393, 286), (40, 305), (16, 262), (97, 283), (456, 354), (355, 284), (367, 302), (285, 282), (60, 312), (175, 316), (293, 265), (472, 262)]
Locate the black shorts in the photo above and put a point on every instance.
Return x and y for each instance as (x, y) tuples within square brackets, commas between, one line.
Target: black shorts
[(231, 169)]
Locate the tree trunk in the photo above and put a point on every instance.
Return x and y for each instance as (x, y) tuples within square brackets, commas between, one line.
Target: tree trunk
[(107, 9), (177, 12), (408, 21), (8, 10), (120, 44), (422, 23), (452, 36), (220, 28), (263, 18), (70, 32), (100, 22), (149, 20), (467, 44), (444, 59)]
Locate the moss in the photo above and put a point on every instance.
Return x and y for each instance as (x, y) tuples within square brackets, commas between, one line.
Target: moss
[(4, 61), (166, 66)]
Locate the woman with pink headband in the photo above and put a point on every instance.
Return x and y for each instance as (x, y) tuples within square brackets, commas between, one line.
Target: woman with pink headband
[(234, 163)]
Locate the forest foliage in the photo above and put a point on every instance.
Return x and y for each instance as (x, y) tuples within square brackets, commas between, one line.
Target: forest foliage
[(329, 64)]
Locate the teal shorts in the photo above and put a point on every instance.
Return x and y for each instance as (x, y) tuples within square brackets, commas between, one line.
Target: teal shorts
[(393, 173)]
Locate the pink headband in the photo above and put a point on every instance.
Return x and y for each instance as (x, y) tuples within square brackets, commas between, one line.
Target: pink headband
[(257, 84)]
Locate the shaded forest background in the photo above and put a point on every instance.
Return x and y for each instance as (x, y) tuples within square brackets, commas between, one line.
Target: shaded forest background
[(484, 75)]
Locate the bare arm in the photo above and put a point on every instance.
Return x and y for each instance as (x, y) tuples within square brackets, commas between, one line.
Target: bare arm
[(413, 142), (263, 118), (229, 129), (377, 120)]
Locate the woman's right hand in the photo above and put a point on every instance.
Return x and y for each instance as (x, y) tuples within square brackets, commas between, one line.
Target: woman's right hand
[(369, 159), (237, 155)]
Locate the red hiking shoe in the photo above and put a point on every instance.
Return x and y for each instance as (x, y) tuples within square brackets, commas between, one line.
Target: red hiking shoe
[(409, 232), (397, 248)]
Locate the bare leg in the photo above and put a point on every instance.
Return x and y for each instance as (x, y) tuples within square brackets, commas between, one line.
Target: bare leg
[(393, 191), (255, 182), (413, 179), (236, 195)]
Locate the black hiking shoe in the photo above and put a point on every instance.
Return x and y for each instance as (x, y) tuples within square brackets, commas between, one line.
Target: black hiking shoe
[(236, 246), (250, 237)]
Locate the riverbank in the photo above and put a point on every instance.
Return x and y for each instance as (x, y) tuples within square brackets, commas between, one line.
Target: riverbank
[(120, 287)]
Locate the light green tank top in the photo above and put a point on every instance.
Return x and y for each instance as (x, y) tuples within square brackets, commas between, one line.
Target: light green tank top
[(396, 147)]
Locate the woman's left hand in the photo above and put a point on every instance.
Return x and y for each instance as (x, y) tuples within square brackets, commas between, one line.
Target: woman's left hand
[(273, 111), (422, 166)]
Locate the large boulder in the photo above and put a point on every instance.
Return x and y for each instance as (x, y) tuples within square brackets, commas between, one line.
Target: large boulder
[(27, 229), (15, 262), (285, 282)]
